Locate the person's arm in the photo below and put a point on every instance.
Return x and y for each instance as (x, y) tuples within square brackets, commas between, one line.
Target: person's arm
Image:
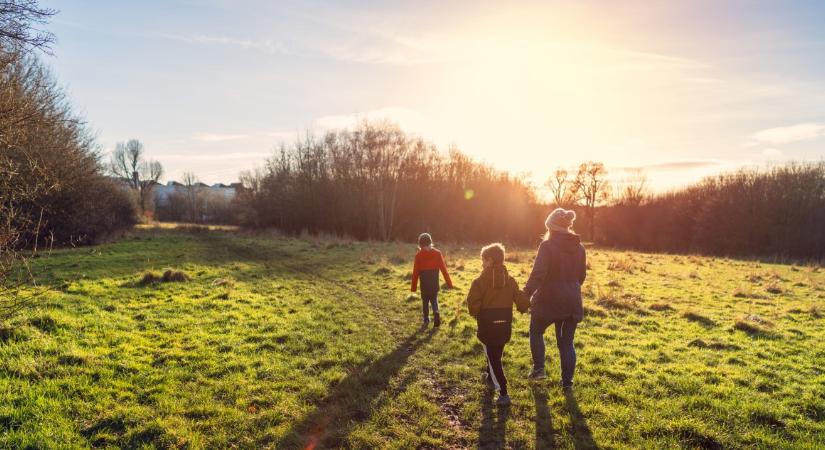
[(474, 298), (414, 285), (540, 267), (443, 267), (521, 299), (583, 274)]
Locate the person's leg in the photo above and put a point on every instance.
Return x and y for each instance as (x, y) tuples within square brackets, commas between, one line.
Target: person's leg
[(492, 376), (436, 315), (425, 307), (494, 354), (565, 332), (537, 327)]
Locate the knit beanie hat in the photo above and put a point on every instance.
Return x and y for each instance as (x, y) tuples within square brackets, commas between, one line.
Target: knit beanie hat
[(560, 220)]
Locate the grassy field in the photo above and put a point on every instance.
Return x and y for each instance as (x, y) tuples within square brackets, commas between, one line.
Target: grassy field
[(309, 343)]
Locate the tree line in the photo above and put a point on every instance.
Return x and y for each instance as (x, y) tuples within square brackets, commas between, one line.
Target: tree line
[(377, 182), (779, 211)]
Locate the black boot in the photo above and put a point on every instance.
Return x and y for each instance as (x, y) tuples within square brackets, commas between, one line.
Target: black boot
[(436, 319)]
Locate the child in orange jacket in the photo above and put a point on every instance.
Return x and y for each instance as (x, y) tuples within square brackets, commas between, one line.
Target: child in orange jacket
[(428, 262)]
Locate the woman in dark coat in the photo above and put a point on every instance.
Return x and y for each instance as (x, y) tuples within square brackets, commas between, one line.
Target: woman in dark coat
[(554, 288)]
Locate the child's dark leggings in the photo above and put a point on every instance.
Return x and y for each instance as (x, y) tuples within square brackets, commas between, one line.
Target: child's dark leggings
[(494, 369), (426, 300)]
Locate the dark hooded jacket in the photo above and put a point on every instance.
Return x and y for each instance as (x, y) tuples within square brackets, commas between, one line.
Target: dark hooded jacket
[(491, 299), (555, 283)]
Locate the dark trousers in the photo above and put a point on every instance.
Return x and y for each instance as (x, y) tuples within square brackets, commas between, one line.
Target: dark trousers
[(426, 301), (494, 369), (565, 331)]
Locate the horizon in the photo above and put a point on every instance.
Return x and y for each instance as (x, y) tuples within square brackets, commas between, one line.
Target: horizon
[(666, 87)]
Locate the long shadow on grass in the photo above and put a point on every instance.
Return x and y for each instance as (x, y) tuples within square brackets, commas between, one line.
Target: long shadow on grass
[(492, 432), (582, 436), (352, 400), (545, 434)]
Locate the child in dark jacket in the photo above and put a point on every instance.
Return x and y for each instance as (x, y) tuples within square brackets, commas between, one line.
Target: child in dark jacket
[(428, 262), (490, 300)]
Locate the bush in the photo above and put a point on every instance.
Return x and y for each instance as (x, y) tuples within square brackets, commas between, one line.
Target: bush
[(52, 189)]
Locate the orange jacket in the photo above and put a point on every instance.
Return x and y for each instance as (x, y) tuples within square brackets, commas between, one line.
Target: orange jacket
[(429, 259)]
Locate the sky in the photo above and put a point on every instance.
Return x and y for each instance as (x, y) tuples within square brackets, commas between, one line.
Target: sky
[(680, 89)]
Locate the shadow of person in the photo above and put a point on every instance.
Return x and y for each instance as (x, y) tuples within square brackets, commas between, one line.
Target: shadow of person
[(582, 436), (492, 434), (545, 434), (352, 400)]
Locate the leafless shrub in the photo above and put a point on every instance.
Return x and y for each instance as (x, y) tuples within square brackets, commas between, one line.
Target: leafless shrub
[(773, 288), (614, 298), (623, 263)]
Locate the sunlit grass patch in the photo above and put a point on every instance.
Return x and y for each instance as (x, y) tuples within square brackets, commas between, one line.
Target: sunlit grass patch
[(279, 342)]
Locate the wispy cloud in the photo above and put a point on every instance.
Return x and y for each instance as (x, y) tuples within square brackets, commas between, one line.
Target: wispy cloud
[(270, 46), (676, 166), (792, 133)]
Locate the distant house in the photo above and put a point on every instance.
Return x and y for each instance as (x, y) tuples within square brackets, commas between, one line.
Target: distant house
[(227, 190), (162, 192)]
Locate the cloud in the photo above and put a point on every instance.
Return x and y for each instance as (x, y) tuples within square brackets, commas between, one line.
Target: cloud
[(676, 166), (792, 133), (218, 137), (265, 45)]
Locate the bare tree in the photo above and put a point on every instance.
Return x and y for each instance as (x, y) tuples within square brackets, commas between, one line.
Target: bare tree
[(592, 187), (190, 181), (561, 187), (18, 22), (633, 189), (128, 163)]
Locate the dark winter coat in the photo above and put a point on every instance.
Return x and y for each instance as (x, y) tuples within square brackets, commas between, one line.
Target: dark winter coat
[(490, 300), (555, 283)]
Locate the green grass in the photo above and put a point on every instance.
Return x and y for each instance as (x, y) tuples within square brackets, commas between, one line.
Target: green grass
[(288, 343)]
